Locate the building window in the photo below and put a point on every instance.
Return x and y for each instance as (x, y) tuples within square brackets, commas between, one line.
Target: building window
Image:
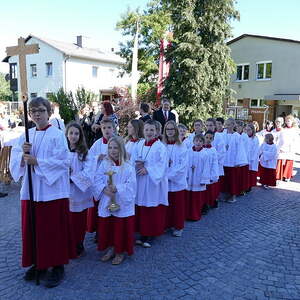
[(13, 71), (242, 72), (264, 70), (49, 69), (257, 103), (95, 72), (240, 102), (48, 95), (33, 70), (33, 95)]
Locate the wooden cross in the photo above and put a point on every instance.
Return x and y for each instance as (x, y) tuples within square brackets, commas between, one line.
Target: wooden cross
[(22, 50)]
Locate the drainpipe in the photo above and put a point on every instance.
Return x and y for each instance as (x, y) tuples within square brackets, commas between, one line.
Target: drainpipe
[(67, 57), (265, 112)]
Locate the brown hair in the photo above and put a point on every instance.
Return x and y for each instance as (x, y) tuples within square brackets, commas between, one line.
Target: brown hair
[(176, 137), (138, 126), (81, 146), (36, 102)]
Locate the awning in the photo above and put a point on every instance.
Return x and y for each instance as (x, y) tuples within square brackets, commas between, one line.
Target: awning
[(293, 97)]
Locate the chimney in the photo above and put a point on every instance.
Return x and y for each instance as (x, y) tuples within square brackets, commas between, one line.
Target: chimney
[(79, 41)]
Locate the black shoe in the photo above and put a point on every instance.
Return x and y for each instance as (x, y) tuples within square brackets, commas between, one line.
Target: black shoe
[(55, 277), (80, 249), (3, 195), (205, 209), (32, 273)]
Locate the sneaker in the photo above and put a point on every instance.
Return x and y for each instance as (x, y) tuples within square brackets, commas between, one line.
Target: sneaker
[(55, 277), (31, 273), (265, 186), (139, 242), (146, 245), (177, 233), (3, 195), (231, 200)]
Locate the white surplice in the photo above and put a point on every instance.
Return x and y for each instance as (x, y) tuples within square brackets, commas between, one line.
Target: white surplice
[(198, 172), (99, 147), (219, 144), (213, 164), (50, 178), (268, 156), (82, 177), (177, 167), (288, 143), (253, 153), (152, 188), (235, 152), (125, 181)]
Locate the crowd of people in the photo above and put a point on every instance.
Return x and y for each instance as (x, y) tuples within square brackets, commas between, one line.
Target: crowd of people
[(131, 189)]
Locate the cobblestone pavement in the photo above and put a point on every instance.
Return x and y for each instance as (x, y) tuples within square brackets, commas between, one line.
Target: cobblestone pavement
[(246, 250)]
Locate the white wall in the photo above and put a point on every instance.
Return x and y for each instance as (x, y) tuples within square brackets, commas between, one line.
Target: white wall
[(79, 74), (41, 84), (285, 57)]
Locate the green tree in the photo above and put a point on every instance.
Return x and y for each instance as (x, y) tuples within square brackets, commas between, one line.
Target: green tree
[(154, 23), (70, 105), (5, 93), (200, 59)]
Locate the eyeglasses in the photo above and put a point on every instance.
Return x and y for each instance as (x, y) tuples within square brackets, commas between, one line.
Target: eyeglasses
[(40, 111)]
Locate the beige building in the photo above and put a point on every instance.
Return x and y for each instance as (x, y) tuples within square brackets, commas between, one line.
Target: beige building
[(267, 77)]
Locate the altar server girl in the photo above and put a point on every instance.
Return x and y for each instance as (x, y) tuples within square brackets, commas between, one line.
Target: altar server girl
[(176, 172), (135, 130), (81, 180), (198, 175), (279, 122), (151, 161), (115, 189), (267, 162)]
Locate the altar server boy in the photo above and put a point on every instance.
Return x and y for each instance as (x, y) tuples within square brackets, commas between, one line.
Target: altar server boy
[(47, 156), (98, 152), (198, 175), (151, 162)]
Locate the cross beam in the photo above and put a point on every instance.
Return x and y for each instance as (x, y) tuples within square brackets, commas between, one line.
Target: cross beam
[(22, 50)]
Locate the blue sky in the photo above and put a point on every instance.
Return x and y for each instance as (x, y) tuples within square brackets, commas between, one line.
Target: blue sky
[(96, 20)]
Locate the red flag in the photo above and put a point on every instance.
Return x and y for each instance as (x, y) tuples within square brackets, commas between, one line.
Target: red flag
[(164, 68)]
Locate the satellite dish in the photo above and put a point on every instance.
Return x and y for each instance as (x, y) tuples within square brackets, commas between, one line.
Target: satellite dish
[(7, 77)]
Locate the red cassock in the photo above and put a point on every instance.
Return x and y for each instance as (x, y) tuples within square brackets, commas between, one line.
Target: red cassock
[(150, 221), (176, 210), (116, 232), (77, 226), (267, 176), (194, 204), (284, 169), (231, 181), (252, 178), (92, 215), (243, 176), (212, 193), (53, 243)]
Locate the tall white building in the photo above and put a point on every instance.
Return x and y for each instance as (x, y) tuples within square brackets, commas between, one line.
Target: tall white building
[(69, 66)]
